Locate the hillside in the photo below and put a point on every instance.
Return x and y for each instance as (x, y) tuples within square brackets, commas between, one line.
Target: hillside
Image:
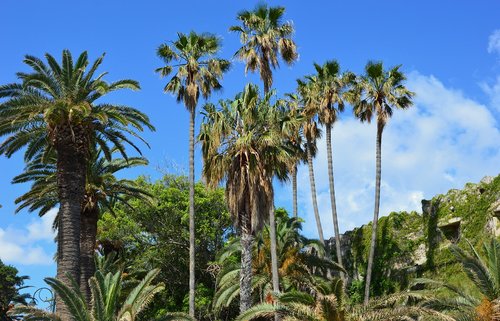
[(412, 244)]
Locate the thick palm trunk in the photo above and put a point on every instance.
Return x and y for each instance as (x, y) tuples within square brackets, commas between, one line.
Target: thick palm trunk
[(313, 193), (246, 270), (294, 191), (88, 234), (369, 268), (192, 287), (71, 145), (329, 153)]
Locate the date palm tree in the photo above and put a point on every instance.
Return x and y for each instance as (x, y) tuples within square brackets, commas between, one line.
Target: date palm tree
[(55, 108), (197, 72), (329, 86), (375, 95), (242, 145), (102, 191), (265, 37)]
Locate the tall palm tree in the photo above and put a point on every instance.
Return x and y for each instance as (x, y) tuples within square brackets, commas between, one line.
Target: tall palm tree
[(242, 147), (102, 191), (293, 136), (198, 71), (329, 87), (55, 108), (106, 303), (376, 94), (265, 37), (311, 133)]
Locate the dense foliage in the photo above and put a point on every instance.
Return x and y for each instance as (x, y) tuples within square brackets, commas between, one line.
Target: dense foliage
[(10, 284)]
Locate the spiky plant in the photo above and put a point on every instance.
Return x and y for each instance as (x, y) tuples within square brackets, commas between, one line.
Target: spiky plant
[(105, 304)]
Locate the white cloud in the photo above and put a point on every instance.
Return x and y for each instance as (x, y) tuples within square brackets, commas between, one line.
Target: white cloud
[(494, 42), (444, 141), (493, 91), (27, 246)]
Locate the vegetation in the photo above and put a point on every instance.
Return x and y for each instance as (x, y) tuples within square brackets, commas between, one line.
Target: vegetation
[(10, 285), (117, 235)]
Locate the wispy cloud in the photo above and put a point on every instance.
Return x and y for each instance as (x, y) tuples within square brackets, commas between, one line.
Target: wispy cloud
[(444, 141), (494, 42), (28, 245)]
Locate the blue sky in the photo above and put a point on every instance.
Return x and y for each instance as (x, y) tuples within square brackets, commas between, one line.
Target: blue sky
[(450, 51)]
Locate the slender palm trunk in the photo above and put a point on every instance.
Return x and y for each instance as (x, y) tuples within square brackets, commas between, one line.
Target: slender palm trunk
[(294, 191), (274, 251), (71, 145), (313, 193), (88, 234), (192, 287), (329, 153), (369, 268), (272, 219), (246, 270)]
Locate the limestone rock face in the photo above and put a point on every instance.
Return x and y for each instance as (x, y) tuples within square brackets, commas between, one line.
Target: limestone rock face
[(416, 245)]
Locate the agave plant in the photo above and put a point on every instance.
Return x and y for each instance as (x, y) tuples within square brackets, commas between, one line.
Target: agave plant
[(105, 304)]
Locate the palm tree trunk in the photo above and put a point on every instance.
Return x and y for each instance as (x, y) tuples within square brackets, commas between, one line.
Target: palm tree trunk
[(313, 193), (294, 191), (329, 153), (274, 252), (246, 269), (369, 268), (71, 146), (88, 234), (192, 287)]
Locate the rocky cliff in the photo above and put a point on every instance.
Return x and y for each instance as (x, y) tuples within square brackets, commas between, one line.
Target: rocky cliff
[(411, 244)]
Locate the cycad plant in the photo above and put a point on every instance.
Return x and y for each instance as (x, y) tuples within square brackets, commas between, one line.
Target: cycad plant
[(105, 304), (55, 107)]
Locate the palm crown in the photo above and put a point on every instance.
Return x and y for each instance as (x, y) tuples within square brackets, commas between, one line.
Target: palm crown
[(198, 70), (265, 37), (56, 97)]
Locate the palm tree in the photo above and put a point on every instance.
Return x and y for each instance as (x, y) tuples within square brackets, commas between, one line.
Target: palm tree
[(55, 108), (483, 271), (265, 38), (243, 147), (326, 301), (377, 93), (300, 261), (105, 304), (102, 191), (293, 136), (198, 71), (329, 87), (311, 133)]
